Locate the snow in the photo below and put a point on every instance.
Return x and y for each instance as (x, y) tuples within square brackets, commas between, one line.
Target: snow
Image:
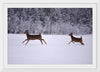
[(57, 50), (50, 20)]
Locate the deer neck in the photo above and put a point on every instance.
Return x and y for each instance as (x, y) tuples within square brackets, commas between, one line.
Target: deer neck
[(27, 34), (71, 36)]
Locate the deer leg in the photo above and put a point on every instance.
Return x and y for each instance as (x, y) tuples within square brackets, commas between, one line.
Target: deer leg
[(27, 42), (24, 40), (41, 41), (69, 42), (44, 41), (82, 43)]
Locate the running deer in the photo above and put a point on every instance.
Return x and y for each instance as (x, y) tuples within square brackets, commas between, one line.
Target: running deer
[(74, 39), (33, 37)]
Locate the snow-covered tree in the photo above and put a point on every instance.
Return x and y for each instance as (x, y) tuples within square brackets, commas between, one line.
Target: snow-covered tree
[(50, 20)]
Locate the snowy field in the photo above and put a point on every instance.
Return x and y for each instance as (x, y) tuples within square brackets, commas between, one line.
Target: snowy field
[(57, 50)]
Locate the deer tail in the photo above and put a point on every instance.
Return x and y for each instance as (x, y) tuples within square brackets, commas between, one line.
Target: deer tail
[(81, 37), (39, 33)]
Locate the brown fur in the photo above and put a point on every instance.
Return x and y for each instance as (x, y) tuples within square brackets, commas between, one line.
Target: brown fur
[(74, 39), (33, 37)]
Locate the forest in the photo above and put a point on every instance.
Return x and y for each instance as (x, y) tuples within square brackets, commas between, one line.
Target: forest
[(50, 20)]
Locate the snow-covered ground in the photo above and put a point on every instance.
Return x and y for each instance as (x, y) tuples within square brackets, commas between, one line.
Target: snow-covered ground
[(57, 50)]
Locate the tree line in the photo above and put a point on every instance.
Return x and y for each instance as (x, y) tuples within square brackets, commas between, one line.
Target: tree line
[(50, 20)]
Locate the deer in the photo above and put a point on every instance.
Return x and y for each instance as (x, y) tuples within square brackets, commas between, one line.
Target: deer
[(33, 37), (74, 39)]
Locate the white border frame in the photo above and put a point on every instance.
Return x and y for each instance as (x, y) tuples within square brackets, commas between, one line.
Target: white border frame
[(48, 5), (50, 69)]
